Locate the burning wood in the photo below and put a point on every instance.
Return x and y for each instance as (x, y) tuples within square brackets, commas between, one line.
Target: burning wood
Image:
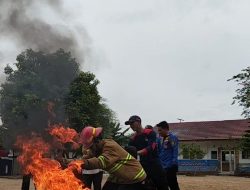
[(47, 173)]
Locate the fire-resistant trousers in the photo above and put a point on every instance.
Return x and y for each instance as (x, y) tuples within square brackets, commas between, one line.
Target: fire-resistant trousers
[(96, 179), (172, 178), (156, 173)]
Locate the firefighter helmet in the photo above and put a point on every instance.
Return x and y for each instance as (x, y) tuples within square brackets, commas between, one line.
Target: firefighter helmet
[(88, 134)]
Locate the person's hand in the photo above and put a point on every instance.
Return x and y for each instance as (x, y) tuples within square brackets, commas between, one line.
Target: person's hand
[(139, 152), (72, 165), (76, 164)]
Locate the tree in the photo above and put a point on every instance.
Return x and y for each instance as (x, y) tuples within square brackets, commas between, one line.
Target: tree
[(1, 134), (243, 99), (192, 151), (37, 81), (84, 106), (118, 134), (49, 87)]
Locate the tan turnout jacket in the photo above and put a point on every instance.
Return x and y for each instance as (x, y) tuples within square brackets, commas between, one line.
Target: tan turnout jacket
[(122, 167)]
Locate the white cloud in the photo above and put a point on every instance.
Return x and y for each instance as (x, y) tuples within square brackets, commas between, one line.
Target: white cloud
[(168, 59)]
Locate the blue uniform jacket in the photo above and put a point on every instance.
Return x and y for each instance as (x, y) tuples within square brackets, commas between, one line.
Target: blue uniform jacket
[(168, 150)]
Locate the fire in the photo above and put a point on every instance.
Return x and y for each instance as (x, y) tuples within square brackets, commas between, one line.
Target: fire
[(47, 173), (64, 135)]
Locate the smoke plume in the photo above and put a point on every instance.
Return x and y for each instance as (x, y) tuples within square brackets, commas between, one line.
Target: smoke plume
[(42, 26), (28, 24)]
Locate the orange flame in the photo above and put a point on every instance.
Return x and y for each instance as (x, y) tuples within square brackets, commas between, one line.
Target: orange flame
[(47, 173), (64, 135)]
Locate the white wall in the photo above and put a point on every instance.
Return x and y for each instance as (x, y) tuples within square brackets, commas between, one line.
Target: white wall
[(208, 146), (243, 161)]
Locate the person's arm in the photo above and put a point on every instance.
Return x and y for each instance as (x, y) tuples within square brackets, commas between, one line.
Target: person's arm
[(151, 143), (131, 140), (87, 153), (159, 143), (175, 144), (107, 158)]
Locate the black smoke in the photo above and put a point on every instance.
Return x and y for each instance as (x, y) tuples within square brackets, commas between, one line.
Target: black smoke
[(25, 24), (20, 22)]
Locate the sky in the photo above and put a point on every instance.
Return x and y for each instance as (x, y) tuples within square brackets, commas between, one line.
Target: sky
[(159, 59)]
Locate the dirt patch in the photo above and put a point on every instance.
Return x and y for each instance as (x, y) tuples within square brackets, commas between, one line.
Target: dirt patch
[(185, 182), (213, 182)]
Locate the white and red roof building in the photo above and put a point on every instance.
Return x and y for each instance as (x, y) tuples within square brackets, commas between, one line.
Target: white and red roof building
[(220, 141)]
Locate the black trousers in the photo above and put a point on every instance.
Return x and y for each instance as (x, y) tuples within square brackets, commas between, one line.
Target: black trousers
[(156, 173), (96, 179), (114, 186), (172, 178)]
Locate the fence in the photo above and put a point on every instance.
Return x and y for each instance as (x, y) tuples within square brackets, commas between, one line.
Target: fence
[(198, 166)]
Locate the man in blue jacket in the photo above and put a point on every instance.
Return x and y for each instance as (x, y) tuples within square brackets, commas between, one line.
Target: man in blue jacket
[(168, 152)]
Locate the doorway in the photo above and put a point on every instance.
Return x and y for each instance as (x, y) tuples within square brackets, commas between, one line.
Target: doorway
[(227, 161)]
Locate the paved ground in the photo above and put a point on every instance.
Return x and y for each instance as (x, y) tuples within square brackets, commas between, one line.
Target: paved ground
[(186, 183)]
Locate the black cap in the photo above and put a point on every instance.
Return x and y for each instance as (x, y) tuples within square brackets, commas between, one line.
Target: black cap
[(163, 124), (148, 127), (132, 119)]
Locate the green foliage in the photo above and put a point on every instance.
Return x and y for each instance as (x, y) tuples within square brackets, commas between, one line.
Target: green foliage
[(245, 141), (118, 134), (243, 92), (44, 87), (1, 134), (243, 99), (84, 105), (192, 151), (35, 79)]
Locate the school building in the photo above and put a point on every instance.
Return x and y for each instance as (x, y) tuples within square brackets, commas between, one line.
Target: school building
[(220, 141)]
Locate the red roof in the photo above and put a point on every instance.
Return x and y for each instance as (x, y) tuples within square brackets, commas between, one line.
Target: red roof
[(210, 130)]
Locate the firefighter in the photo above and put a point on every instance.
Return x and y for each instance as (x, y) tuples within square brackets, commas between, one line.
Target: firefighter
[(145, 142), (125, 171)]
